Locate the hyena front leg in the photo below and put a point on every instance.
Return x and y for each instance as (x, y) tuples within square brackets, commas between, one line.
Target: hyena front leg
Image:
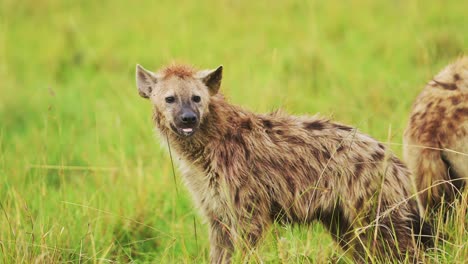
[(251, 224), (221, 242), (243, 234)]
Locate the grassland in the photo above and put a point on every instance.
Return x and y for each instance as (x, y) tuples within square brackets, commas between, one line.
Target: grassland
[(82, 178)]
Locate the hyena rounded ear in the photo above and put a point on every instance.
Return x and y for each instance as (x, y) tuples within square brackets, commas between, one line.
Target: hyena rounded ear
[(212, 79), (145, 81)]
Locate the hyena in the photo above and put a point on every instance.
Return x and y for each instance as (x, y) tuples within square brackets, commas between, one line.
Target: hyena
[(246, 171), (436, 139)]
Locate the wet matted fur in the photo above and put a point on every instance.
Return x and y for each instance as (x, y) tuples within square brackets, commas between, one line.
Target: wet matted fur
[(247, 170), (436, 138)]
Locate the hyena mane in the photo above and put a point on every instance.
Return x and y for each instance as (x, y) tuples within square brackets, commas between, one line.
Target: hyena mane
[(246, 171)]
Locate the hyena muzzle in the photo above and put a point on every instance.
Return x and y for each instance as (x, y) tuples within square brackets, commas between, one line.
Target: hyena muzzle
[(246, 171)]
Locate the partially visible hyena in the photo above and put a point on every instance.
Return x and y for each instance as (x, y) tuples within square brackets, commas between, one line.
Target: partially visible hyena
[(247, 170), (436, 139)]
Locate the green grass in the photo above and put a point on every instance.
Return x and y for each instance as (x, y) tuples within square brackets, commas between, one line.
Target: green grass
[(68, 99)]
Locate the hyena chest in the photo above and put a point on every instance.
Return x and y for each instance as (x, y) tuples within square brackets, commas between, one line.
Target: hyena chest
[(205, 189)]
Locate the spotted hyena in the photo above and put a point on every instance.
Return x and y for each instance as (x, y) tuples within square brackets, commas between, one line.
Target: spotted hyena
[(247, 170), (436, 139)]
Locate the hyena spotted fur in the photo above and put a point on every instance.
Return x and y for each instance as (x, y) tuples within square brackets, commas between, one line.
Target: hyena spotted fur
[(246, 171), (436, 139)]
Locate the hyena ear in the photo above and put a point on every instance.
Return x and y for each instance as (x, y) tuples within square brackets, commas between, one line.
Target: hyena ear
[(145, 81), (212, 79)]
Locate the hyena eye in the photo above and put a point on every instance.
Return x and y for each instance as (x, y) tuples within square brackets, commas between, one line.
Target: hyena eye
[(196, 98), (170, 99)]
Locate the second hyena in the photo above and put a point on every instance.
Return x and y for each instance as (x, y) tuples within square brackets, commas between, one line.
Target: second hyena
[(247, 170), (436, 139)]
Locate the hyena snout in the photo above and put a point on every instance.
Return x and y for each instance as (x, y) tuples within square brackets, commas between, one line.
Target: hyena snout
[(188, 118), (186, 122)]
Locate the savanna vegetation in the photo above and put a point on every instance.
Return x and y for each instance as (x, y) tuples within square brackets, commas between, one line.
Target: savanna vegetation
[(82, 177)]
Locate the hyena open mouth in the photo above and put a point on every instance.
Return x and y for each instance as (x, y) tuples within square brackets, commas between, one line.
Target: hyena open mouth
[(187, 131)]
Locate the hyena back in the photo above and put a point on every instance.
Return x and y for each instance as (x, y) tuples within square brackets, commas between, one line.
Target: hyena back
[(246, 171), (436, 139)]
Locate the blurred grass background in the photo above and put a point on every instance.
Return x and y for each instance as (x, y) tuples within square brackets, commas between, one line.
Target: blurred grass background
[(82, 178)]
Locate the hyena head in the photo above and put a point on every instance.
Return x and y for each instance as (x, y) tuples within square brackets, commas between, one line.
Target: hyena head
[(180, 95)]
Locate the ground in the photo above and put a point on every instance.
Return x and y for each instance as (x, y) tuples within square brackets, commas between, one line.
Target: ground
[(82, 177)]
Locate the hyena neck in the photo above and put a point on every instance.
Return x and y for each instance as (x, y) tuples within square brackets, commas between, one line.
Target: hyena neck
[(212, 129)]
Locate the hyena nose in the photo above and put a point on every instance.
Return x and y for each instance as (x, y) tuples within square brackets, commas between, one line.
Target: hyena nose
[(189, 118)]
